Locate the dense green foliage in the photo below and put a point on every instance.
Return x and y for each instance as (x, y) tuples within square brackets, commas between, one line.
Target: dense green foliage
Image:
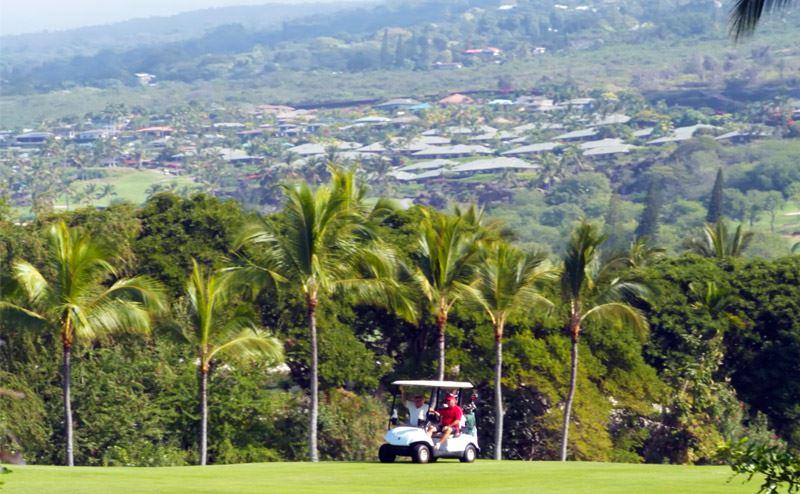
[(696, 380), (780, 468)]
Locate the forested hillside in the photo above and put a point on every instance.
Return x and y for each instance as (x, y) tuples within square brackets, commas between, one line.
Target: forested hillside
[(418, 35)]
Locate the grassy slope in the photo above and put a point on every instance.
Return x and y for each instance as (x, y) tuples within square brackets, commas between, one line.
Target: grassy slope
[(611, 67), (129, 184), (297, 478)]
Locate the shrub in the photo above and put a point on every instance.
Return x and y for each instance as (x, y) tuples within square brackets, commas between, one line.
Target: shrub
[(778, 465)]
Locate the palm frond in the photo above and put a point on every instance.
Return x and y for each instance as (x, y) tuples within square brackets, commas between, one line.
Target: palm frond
[(31, 280), (249, 345), (110, 317), (7, 308), (580, 257), (147, 291), (618, 314), (746, 14)]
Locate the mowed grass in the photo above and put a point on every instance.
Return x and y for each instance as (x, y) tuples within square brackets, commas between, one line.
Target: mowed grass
[(443, 476), (130, 185)]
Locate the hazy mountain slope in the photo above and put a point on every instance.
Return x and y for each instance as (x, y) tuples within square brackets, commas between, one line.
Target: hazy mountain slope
[(87, 41)]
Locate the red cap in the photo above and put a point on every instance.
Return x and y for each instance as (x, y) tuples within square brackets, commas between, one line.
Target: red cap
[(450, 396)]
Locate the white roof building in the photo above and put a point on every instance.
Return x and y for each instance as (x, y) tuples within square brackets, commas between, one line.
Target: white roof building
[(540, 147), (577, 134), (682, 134), (491, 164), (456, 150)]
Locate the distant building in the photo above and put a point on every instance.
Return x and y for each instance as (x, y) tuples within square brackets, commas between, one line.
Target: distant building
[(156, 131), (33, 138), (577, 135), (538, 148), (93, 135), (397, 104), (145, 79), (682, 134), (454, 151), (489, 51)]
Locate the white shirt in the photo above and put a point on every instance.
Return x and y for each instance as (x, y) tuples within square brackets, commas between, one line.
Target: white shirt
[(415, 415)]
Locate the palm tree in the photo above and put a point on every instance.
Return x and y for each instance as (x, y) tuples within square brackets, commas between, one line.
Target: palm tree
[(89, 191), (326, 242), (448, 248), (78, 303), (717, 242), (642, 254), (746, 14), (153, 189), (593, 290), (106, 190), (507, 282), (216, 334)]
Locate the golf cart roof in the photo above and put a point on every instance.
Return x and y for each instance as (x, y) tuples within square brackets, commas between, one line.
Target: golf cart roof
[(435, 384)]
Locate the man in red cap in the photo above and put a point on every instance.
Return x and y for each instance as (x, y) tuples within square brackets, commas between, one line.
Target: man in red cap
[(450, 418)]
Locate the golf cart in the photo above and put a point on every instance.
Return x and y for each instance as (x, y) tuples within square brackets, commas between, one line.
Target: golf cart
[(405, 439)]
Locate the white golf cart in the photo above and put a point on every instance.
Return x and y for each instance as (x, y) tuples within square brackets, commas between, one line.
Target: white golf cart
[(404, 439)]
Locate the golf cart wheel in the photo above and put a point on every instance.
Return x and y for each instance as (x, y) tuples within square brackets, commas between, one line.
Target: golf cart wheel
[(421, 453), (385, 454), (469, 454)]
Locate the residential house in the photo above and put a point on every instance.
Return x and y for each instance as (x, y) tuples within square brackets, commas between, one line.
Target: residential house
[(33, 138), (453, 151), (682, 134), (577, 135), (397, 104), (540, 147), (457, 99)]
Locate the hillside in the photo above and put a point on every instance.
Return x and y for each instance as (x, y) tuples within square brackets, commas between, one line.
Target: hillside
[(421, 36), (48, 46)]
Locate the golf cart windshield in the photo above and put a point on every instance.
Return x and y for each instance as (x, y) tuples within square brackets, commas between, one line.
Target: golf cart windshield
[(438, 389)]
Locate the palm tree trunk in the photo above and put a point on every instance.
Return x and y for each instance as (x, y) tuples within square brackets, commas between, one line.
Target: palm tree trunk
[(313, 415), (498, 397), (203, 416), (67, 372), (441, 323), (573, 379)]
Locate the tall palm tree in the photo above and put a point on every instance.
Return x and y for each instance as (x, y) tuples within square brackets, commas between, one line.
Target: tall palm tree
[(73, 296), (446, 256), (216, 334), (507, 282), (325, 242), (719, 243), (746, 14), (592, 290)]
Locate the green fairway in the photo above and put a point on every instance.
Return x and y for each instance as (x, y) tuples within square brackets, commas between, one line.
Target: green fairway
[(129, 184), (444, 476)]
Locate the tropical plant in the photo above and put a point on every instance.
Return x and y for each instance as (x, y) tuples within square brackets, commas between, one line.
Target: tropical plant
[(445, 261), (778, 466), (508, 282), (641, 253), (324, 243), (72, 295), (216, 334), (719, 243), (592, 290)]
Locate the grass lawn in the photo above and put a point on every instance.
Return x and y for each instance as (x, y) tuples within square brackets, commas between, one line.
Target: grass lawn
[(444, 476), (130, 184)]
